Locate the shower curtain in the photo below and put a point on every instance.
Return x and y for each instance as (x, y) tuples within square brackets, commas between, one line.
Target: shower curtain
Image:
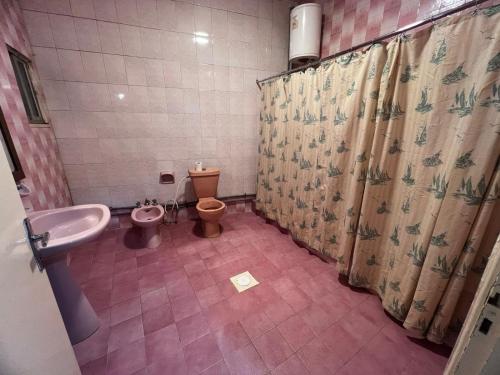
[(387, 161)]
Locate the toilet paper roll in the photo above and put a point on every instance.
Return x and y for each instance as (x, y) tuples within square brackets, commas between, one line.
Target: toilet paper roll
[(198, 166)]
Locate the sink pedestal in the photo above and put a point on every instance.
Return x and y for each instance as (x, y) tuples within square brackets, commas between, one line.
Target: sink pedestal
[(78, 315)]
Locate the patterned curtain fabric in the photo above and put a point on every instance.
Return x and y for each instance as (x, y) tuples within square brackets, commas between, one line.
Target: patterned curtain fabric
[(387, 161)]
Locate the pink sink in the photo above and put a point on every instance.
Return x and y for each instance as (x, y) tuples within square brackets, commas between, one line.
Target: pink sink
[(69, 226)]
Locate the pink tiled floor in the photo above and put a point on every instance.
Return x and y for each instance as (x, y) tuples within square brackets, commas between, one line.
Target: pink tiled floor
[(173, 310)]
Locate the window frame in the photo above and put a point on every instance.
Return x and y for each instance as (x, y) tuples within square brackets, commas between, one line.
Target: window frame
[(24, 79), (18, 172)]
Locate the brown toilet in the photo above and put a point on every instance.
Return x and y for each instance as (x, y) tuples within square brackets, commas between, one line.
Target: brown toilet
[(210, 209)]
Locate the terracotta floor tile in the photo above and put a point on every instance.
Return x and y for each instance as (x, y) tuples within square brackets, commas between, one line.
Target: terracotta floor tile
[(125, 277), (149, 269), (154, 299), (195, 268), (231, 337), (201, 280), (317, 318), (124, 291), (342, 342), (318, 358), (184, 306), (125, 333), (94, 347), (297, 299), (128, 359), (209, 296), (146, 259), (125, 265), (246, 361), (219, 368), (301, 305), (278, 311), (162, 344), (256, 325), (157, 318), (273, 348), (173, 364), (192, 328), (150, 282), (95, 367), (179, 288), (174, 276), (244, 303), (125, 310), (365, 363), (220, 314), (292, 366), (201, 354), (296, 332)]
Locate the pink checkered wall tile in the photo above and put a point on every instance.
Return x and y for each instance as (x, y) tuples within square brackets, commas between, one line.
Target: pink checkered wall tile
[(36, 147), (347, 23)]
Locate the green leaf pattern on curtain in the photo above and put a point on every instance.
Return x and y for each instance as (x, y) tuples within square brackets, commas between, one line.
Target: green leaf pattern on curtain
[(386, 160)]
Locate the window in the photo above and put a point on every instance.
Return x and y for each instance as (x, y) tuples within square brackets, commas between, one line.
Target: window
[(21, 65)]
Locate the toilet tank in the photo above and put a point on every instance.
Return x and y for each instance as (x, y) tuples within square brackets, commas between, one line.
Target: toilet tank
[(205, 182)]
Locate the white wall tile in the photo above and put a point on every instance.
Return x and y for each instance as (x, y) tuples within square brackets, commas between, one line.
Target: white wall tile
[(93, 65), (71, 65), (83, 8), (63, 31), (147, 12), (132, 89), (172, 74), (131, 40), (105, 10), (126, 11), (38, 27), (175, 100), (55, 95), (109, 35), (47, 63), (219, 23), (202, 21), (115, 69), (87, 35), (136, 75), (151, 44), (167, 19), (154, 72), (184, 14)]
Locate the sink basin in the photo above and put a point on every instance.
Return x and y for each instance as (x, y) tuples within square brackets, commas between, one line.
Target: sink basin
[(69, 226)]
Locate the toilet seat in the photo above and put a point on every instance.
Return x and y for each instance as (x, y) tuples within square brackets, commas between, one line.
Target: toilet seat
[(210, 205)]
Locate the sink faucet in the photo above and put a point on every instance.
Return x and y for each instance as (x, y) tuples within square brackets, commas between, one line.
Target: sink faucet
[(155, 202), (147, 202), (42, 237)]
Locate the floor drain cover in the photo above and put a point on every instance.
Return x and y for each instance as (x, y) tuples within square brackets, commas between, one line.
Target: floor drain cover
[(243, 281)]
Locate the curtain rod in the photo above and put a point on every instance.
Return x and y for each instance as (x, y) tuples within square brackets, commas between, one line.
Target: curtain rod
[(376, 40)]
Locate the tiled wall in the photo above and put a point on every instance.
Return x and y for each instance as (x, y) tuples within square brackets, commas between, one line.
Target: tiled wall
[(35, 146), (351, 22), (135, 87)]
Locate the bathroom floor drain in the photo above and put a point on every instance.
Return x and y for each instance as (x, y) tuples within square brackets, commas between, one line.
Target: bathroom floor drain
[(243, 281)]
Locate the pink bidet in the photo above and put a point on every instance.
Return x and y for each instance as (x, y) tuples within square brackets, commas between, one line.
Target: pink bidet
[(148, 218)]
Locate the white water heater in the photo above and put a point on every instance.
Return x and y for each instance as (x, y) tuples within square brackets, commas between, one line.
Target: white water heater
[(305, 33)]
